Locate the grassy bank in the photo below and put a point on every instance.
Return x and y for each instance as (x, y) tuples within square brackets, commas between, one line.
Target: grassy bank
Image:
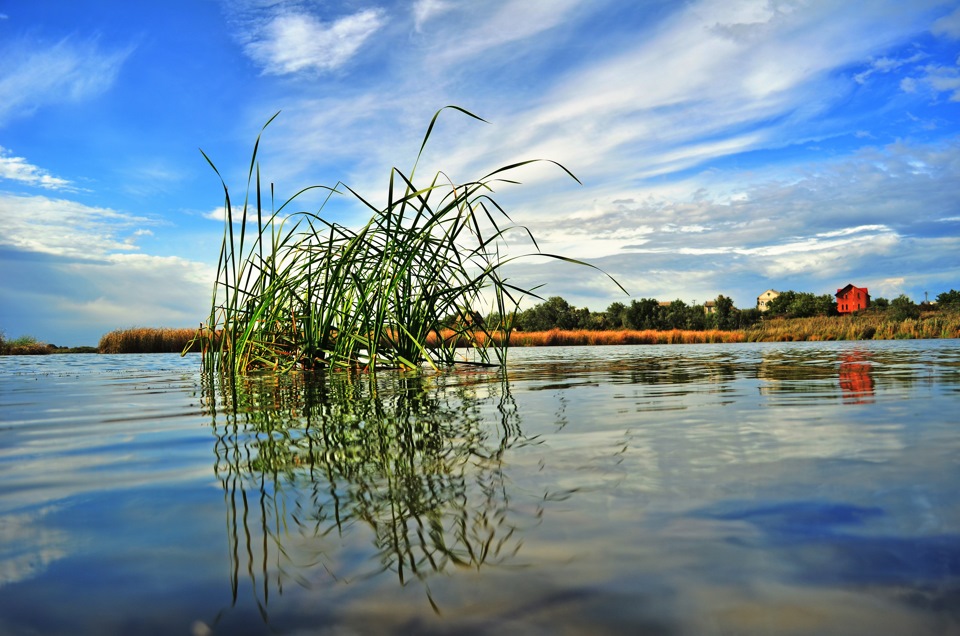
[(861, 326), (30, 346)]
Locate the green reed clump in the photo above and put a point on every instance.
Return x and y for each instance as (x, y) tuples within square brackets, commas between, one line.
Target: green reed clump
[(299, 291)]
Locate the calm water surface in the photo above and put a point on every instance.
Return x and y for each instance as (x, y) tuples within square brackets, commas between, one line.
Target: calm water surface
[(806, 488)]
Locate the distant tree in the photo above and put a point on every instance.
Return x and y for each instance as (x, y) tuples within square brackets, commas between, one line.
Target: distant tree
[(554, 313), (724, 313), (615, 315), (950, 298), (826, 305), (794, 304), (803, 306), (582, 319), (879, 303), (902, 308), (748, 317), (676, 315), (780, 306), (643, 314), (597, 321), (696, 318)]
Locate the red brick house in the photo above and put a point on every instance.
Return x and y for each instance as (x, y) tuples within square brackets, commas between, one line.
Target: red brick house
[(851, 299)]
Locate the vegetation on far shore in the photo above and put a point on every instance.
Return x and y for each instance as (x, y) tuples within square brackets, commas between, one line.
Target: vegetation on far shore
[(882, 321), (30, 346)]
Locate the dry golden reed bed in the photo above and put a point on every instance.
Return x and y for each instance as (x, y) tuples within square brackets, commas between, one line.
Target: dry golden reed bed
[(146, 340), (865, 326), (862, 326)]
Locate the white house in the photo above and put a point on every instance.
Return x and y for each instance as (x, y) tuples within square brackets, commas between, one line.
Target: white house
[(764, 299)]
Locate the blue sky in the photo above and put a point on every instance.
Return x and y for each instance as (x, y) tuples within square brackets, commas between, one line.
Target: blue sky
[(725, 147)]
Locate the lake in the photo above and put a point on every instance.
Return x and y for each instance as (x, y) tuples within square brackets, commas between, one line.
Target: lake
[(790, 488)]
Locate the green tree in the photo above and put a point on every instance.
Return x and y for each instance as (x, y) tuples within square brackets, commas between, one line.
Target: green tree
[(724, 313), (696, 318), (794, 304), (902, 308), (553, 313), (615, 315), (748, 317), (825, 305), (643, 314), (950, 298), (676, 315), (780, 306)]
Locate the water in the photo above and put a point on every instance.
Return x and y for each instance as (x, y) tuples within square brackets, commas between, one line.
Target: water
[(805, 488)]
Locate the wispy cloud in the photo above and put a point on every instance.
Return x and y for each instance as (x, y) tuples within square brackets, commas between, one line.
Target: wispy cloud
[(70, 70), (936, 79), (701, 84), (18, 169), (482, 27), (948, 25), (885, 65), (292, 41), (426, 10)]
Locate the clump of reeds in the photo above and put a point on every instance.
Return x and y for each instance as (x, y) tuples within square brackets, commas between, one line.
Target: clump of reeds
[(24, 346), (148, 340), (300, 291)]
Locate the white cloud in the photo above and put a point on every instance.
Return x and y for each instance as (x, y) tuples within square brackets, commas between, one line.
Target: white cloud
[(66, 228), (948, 25), (17, 169), (84, 262), (936, 79), (68, 71), (704, 83), (294, 42)]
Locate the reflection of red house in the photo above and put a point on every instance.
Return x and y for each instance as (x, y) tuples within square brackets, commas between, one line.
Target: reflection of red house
[(856, 383), (851, 299)]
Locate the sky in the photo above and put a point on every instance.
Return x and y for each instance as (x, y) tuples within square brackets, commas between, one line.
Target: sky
[(723, 146)]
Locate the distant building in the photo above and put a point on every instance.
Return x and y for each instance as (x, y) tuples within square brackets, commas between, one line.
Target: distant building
[(764, 299), (852, 298), (710, 307)]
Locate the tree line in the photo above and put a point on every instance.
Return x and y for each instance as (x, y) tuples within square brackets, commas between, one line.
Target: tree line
[(650, 314)]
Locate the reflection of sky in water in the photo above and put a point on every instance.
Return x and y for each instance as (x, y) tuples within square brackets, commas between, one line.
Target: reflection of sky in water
[(789, 488)]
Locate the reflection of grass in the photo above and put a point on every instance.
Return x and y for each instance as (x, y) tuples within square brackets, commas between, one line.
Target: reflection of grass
[(304, 460)]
